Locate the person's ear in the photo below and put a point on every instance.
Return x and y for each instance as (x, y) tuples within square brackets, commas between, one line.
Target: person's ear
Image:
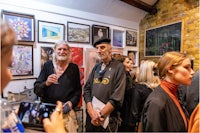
[(170, 70)]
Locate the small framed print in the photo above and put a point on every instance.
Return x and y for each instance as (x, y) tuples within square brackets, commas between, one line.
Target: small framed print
[(99, 32), (118, 38), (131, 38), (49, 32), (22, 64), (46, 54), (134, 56), (77, 32), (23, 24)]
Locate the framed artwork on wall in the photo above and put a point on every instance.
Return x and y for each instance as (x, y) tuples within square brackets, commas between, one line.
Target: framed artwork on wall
[(131, 38), (77, 55), (79, 33), (22, 64), (49, 32), (163, 39), (133, 55), (118, 38), (99, 32), (23, 24), (46, 54)]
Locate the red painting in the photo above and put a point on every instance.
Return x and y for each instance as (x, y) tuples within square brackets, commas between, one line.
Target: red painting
[(77, 55)]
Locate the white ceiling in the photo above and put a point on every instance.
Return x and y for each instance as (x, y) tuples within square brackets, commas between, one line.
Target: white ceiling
[(111, 8)]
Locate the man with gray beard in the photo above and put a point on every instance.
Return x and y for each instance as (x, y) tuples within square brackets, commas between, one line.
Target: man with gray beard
[(59, 79)]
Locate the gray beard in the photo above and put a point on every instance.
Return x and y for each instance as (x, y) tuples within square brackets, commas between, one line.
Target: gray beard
[(62, 58)]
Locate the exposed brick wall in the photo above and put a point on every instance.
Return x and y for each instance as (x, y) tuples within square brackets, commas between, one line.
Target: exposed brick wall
[(171, 11)]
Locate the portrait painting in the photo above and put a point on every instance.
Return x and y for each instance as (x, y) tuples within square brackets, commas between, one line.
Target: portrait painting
[(99, 32)]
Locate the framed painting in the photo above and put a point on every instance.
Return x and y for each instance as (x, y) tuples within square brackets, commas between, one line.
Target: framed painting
[(49, 32), (77, 55), (163, 39), (118, 38), (134, 56), (79, 33), (22, 64), (79, 117), (131, 38), (99, 32), (23, 24), (46, 54)]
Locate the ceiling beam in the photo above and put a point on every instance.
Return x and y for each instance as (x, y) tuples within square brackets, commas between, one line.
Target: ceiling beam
[(141, 5)]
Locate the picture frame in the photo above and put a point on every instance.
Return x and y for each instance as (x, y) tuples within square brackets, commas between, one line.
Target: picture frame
[(99, 31), (163, 39), (134, 55), (118, 38), (131, 38), (79, 117), (22, 64), (50, 32), (79, 33), (46, 53), (23, 24)]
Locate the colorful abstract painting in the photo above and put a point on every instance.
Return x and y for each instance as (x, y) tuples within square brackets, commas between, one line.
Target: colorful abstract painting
[(77, 55), (22, 24), (50, 32), (22, 64)]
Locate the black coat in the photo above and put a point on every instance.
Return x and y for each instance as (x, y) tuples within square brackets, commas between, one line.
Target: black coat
[(160, 114)]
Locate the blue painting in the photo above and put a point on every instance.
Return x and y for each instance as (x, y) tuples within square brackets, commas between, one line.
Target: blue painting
[(50, 32), (24, 26), (118, 38)]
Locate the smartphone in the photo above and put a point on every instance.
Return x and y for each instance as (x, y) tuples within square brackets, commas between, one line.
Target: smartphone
[(33, 113)]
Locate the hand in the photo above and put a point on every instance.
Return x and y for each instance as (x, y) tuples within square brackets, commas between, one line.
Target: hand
[(95, 119), (55, 124), (53, 78)]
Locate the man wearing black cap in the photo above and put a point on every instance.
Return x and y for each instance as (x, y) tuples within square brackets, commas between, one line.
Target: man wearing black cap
[(107, 83)]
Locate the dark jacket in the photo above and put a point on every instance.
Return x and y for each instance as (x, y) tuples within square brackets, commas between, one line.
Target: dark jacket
[(160, 114), (68, 89)]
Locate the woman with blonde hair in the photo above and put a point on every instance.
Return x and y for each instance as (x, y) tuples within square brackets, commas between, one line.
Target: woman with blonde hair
[(162, 110), (147, 82)]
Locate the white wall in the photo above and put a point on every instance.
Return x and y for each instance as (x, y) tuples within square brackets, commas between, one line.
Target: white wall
[(57, 14)]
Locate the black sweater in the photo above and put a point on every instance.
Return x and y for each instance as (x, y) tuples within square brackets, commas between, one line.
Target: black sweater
[(68, 89)]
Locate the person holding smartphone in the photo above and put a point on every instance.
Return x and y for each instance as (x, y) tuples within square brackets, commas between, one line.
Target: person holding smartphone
[(8, 40)]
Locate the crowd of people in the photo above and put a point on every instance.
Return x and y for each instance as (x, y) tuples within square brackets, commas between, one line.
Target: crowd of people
[(115, 101)]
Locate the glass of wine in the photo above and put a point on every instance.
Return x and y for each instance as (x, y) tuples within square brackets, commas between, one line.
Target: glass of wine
[(57, 77)]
